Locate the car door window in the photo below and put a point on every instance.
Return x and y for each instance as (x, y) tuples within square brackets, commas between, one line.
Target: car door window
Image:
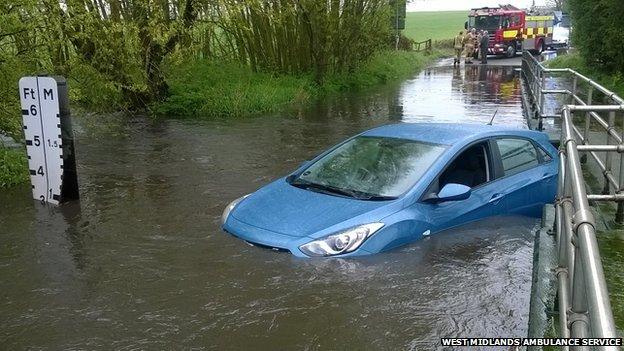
[(545, 157), (470, 168), (517, 155)]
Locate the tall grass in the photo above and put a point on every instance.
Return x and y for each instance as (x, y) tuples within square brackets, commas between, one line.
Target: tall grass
[(204, 88), (208, 89), (301, 36)]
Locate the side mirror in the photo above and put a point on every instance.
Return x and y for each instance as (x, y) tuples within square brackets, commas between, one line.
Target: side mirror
[(466, 25), (452, 192)]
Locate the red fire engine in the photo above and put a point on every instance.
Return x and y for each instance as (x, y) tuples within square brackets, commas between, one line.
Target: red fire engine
[(511, 29)]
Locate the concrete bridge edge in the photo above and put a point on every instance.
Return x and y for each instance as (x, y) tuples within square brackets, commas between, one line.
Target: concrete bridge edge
[(543, 282)]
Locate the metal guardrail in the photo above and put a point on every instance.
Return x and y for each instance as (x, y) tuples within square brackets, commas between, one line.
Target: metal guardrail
[(583, 299)]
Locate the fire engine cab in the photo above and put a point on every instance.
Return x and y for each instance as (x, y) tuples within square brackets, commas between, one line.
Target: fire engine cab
[(511, 29)]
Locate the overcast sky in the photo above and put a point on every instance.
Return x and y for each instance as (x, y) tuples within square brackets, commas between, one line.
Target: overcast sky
[(449, 5)]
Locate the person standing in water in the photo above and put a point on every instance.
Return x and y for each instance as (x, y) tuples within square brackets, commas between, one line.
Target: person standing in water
[(469, 40), (483, 45), (458, 45), (477, 45)]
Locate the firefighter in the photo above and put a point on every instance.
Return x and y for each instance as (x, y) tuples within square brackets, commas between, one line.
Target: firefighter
[(469, 45), (458, 45), (483, 46), (477, 44)]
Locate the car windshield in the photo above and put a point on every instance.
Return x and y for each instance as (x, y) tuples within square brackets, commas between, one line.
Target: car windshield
[(371, 167), (486, 22)]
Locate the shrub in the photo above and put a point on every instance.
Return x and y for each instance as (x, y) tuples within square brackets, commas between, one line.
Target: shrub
[(13, 167)]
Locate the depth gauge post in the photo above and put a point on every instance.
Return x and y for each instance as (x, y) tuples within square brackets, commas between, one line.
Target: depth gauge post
[(49, 138)]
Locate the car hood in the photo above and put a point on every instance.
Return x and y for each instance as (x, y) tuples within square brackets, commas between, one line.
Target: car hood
[(282, 208)]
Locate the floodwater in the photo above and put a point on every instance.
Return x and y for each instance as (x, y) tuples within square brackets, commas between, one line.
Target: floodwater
[(141, 263)]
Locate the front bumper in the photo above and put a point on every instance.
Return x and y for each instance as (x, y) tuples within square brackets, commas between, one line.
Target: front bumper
[(497, 50)]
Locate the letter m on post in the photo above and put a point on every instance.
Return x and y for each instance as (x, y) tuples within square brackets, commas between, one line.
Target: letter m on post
[(48, 94)]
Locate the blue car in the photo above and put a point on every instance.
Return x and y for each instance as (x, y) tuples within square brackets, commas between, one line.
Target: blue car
[(396, 184)]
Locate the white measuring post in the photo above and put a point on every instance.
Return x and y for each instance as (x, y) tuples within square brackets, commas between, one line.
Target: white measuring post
[(49, 138)]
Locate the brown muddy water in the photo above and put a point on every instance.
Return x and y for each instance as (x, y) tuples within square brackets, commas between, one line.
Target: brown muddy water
[(141, 263)]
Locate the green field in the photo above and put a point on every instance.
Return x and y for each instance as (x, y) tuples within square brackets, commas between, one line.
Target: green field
[(434, 25)]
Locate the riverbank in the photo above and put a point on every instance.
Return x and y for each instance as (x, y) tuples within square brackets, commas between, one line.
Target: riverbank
[(208, 89)]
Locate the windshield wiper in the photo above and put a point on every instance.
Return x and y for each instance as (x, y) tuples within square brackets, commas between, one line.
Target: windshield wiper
[(340, 191), (320, 187), (379, 198)]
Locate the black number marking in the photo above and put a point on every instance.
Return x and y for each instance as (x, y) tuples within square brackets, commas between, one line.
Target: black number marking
[(42, 198), (40, 170), (33, 110), (37, 141), (52, 144)]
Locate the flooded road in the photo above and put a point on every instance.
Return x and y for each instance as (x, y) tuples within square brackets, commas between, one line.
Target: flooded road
[(140, 261)]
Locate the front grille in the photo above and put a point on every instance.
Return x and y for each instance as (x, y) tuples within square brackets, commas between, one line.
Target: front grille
[(272, 248), (492, 38)]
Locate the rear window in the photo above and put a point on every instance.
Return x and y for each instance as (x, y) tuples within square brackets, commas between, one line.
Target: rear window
[(517, 155)]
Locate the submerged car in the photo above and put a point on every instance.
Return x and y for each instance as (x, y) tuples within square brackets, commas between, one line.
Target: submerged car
[(396, 184)]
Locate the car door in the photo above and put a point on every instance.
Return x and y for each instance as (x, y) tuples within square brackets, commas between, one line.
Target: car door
[(526, 175), (485, 199)]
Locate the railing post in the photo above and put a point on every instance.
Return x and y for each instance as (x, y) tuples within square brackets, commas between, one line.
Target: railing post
[(572, 97), (540, 124), (590, 92), (619, 213), (609, 156)]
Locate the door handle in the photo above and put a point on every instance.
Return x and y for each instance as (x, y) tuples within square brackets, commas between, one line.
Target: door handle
[(496, 198)]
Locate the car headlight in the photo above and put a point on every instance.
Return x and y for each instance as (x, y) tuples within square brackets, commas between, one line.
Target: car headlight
[(342, 242), (230, 207)]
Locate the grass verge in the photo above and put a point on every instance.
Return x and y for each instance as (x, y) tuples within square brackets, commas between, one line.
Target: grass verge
[(13, 167), (611, 245), (205, 89)]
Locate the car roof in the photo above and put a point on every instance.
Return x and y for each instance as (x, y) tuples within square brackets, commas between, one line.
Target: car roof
[(447, 133)]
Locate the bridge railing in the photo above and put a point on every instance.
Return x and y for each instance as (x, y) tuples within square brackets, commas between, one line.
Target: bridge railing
[(583, 299), (588, 102)]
